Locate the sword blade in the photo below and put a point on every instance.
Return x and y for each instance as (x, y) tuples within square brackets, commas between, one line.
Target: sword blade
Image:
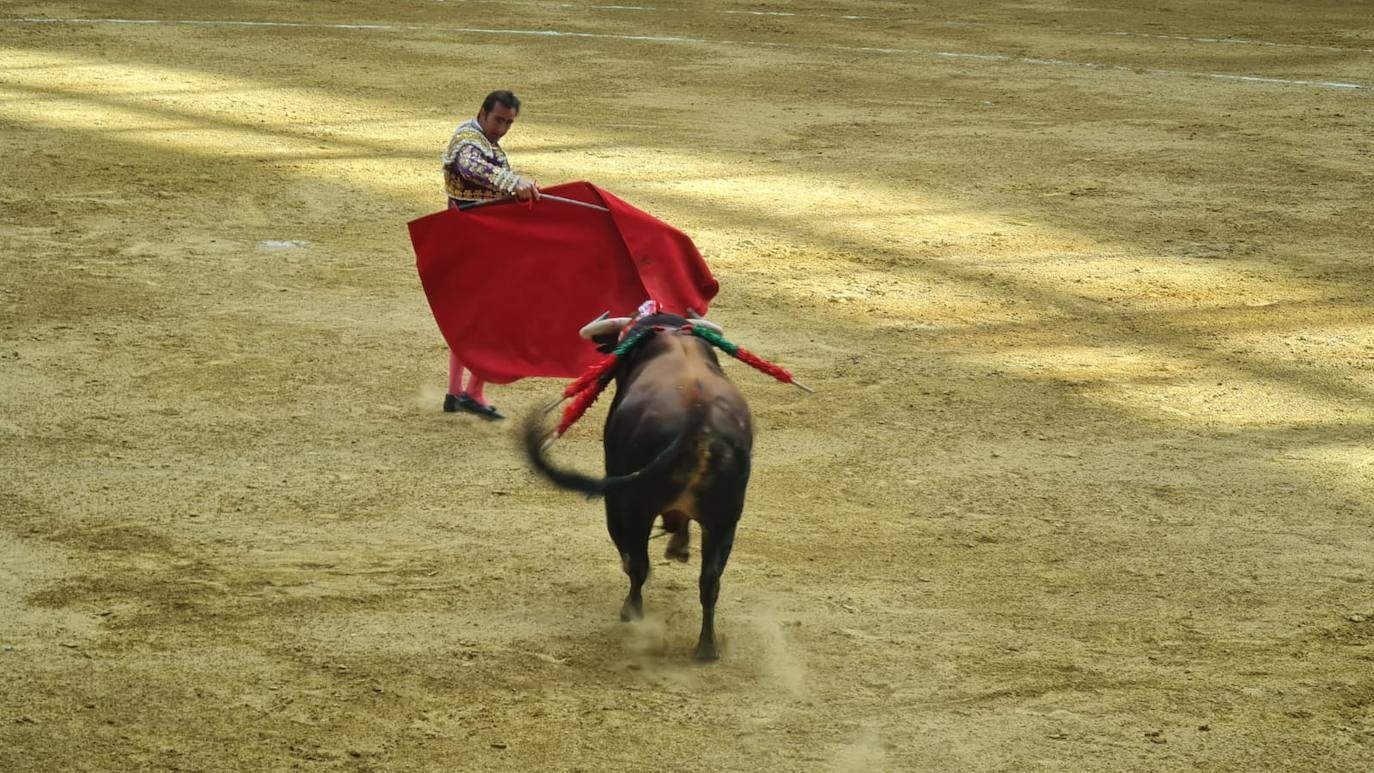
[(572, 201), (550, 196)]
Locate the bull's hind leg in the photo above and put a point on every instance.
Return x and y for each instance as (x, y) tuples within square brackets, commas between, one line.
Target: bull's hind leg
[(675, 522), (630, 532), (715, 552)]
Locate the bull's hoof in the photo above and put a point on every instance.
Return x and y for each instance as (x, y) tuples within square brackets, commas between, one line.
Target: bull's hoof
[(677, 549), (629, 611), (706, 652)]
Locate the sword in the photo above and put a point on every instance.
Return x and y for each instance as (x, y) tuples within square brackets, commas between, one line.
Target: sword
[(549, 196)]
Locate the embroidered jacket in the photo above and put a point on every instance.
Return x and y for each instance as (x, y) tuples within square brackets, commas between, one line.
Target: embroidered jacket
[(476, 168)]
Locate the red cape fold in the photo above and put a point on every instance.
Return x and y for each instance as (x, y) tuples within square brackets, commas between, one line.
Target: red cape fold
[(511, 284)]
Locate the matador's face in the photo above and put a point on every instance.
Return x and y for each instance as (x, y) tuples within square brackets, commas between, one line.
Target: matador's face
[(496, 121)]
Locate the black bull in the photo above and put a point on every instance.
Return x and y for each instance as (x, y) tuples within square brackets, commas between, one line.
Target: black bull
[(678, 441)]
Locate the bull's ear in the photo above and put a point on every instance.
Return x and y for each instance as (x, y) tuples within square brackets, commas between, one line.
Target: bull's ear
[(603, 326)]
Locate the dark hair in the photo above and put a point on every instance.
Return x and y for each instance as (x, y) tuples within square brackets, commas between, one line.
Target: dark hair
[(503, 97)]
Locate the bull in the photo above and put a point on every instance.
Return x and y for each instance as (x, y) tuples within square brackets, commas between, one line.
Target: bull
[(678, 442)]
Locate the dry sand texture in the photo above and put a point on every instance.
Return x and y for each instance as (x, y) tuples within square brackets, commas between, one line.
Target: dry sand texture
[(1084, 288)]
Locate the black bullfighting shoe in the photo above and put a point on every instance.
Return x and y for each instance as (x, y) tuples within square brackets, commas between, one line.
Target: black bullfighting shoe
[(466, 403), (451, 404)]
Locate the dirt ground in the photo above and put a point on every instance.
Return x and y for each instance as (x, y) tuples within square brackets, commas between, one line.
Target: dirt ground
[(1084, 288)]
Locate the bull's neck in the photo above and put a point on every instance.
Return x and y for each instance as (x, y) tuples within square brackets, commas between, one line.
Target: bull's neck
[(658, 344)]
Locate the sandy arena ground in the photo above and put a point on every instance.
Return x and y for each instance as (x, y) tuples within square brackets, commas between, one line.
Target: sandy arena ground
[(1084, 288)]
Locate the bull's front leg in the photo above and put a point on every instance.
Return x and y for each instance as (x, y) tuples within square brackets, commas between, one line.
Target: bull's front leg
[(675, 522)]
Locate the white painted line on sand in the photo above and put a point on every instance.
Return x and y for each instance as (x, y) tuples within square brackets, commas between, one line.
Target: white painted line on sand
[(905, 19), (1240, 42), (703, 41), (284, 244), (670, 9)]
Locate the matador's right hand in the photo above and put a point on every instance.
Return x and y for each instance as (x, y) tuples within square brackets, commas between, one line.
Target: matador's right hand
[(526, 190)]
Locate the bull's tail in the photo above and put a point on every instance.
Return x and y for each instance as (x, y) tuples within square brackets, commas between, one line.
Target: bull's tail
[(533, 440)]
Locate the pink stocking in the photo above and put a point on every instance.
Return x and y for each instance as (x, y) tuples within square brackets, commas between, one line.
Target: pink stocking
[(455, 374), (455, 380), (475, 387)]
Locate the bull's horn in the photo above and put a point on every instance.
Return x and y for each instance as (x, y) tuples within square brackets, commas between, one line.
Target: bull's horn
[(603, 326), (695, 318)]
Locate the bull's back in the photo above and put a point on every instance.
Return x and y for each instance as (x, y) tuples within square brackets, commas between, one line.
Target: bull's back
[(678, 378), (679, 388)]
